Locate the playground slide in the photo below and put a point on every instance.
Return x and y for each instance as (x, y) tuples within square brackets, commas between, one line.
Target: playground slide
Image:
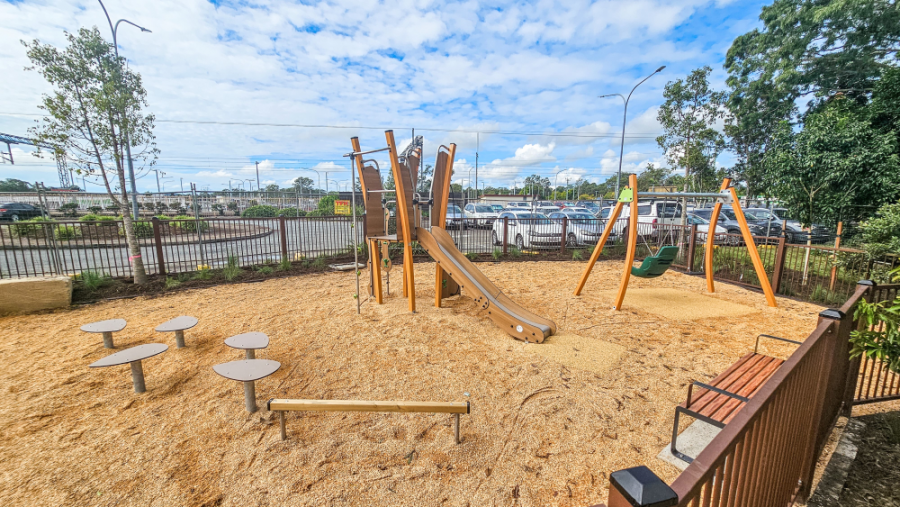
[(506, 313)]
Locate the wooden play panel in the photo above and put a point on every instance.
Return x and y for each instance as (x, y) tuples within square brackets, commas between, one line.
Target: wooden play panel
[(589, 354), (676, 304)]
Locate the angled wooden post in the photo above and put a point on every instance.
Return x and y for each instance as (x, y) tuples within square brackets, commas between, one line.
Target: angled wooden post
[(441, 217), (403, 215), (711, 239), (610, 223), (751, 248), (778, 271), (632, 243)]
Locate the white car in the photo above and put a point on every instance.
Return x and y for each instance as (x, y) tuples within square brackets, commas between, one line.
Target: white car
[(518, 206), (703, 229), (455, 217), (480, 215), (651, 215), (546, 210), (578, 209), (581, 228), (527, 230)]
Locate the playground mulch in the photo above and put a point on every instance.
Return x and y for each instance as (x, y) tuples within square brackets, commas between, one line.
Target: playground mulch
[(541, 432)]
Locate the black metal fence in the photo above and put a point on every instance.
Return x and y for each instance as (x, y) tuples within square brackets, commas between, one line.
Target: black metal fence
[(826, 275)]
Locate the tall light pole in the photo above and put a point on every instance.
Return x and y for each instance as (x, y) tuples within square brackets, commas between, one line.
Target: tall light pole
[(555, 181), (624, 119), (257, 177), (114, 28)]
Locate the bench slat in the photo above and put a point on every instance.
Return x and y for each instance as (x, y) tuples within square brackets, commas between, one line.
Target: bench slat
[(743, 378), (368, 406)]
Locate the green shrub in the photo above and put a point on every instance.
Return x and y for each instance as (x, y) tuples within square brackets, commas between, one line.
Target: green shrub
[(32, 227), (514, 252), (471, 256), (93, 280), (260, 212), (232, 269), (578, 255), (219, 209), (291, 212), (285, 264), (95, 209), (66, 233), (90, 217), (320, 261), (171, 283), (265, 270), (203, 274), (315, 213), (69, 209), (826, 296), (497, 254), (142, 229), (325, 206), (187, 223)]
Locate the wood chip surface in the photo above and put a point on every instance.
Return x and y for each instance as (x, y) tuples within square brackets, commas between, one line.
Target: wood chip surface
[(542, 430)]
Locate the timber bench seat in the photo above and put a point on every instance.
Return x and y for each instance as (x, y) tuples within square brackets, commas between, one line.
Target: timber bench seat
[(719, 401), (433, 407)]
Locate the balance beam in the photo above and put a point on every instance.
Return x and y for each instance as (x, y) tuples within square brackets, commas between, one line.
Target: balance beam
[(434, 407)]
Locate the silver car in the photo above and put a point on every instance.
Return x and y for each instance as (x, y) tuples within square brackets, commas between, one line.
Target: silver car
[(480, 215), (527, 230), (582, 229)]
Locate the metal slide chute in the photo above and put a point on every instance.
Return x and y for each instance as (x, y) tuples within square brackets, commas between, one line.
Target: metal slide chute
[(506, 313)]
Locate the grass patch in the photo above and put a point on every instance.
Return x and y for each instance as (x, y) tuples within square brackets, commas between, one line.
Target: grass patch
[(203, 274), (497, 254), (171, 283), (320, 261), (514, 252), (66, 233), (93, 280), (471, 256), (578, 255), (265, 270), (232, 269), (284, 264)]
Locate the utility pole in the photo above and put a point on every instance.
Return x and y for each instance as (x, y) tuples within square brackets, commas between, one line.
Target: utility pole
[(157, 179), (257, 176), (182, 184), (476, 165)]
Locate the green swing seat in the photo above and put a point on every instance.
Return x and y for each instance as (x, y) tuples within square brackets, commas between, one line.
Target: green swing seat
[(656, 265)]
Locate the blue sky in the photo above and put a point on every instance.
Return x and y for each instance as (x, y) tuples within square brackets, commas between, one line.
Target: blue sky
[(528, 70)]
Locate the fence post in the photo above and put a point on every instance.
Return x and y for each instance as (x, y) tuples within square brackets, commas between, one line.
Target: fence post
[(157, 241), (778, 269), (639, 487), (562, 243), (283, 230), (837, 245), (505, 235), (692, 245)]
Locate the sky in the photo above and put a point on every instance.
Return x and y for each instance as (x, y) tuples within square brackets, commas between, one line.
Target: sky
[(286, 84)]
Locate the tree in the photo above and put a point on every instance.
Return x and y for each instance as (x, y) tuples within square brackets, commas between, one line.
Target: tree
[(817, 48), (425, 179), (688, 118), (14, 185), (96, 101), (303, 185), (272, 187), (835, 164), (653, 176), (536, 184)]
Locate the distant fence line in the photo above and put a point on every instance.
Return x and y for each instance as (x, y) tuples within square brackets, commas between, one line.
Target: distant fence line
[(821, 274)]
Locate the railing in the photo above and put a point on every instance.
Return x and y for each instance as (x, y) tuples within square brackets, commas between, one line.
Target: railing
[(875, 381), (824, 275), (767, 454)]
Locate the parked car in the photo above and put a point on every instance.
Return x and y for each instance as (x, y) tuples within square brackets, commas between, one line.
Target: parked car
[(651, 215), (455, 217), (546, 210), (794, 231), (527, 230), (728, 220), (581, 228), (594, 206), (480, 215), (519, 205), (497, 208), (579, 209), (703, 229), (15, 211)]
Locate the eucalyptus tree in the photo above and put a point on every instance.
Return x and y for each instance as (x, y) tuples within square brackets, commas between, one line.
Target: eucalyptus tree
[(96, 100)]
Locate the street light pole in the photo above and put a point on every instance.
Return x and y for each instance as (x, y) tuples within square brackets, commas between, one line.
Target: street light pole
[(624, 119), (257, 177), (134, 202)]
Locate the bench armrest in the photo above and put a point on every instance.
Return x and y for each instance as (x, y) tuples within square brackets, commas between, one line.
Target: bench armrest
[(773, 338), (713, 389)]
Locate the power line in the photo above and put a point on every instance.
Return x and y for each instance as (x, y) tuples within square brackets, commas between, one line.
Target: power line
[(364, 127)]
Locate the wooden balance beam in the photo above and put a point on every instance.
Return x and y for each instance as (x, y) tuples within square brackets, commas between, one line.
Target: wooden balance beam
[(434, 407)]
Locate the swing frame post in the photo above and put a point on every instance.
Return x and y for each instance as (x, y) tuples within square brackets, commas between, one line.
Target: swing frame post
[(631, 246)]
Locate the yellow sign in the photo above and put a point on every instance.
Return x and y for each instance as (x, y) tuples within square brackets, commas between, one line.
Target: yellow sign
[(341, 207)]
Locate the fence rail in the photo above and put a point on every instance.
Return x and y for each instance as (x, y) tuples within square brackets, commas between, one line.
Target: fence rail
[(825, 275)]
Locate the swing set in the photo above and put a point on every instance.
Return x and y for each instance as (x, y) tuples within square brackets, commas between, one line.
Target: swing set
[(655, 265)]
